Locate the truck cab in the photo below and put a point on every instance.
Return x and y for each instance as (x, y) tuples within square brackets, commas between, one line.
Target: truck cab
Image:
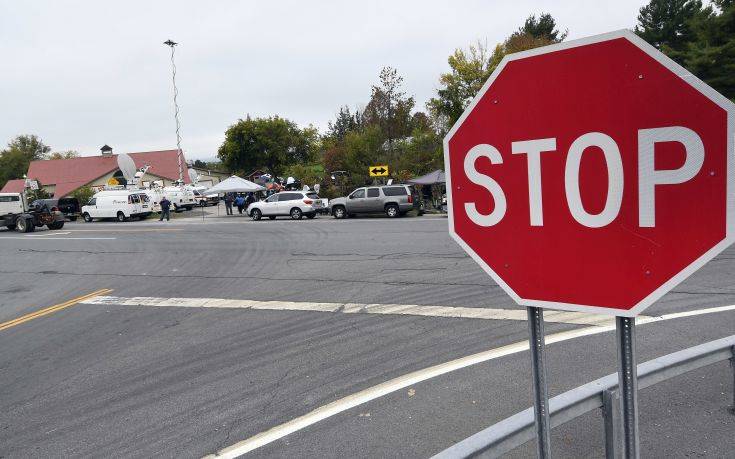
[(16, 214)]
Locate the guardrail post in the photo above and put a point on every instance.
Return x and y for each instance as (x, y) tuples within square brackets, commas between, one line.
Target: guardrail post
[(537, 342), (610, 419), (628, 383), (732, 364)]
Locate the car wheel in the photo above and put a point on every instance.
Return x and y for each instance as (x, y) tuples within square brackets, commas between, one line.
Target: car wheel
[(339, 212), (256, 214), (272, 217), (310, 216), (55, 225), (22, 225), (120, 217), (391, 210), (87, 218), (296, 213)]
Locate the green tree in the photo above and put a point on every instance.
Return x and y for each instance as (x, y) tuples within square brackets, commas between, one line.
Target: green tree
[(308, 174), (472, 67), (344, 123), (666, 24), (273, 143), (389, 107), (702, 39), (469, 70), (40, 193), (543, 28), (68, 154), (31, 146), (16, 158), (711, 56), (83, 194), (198, 163)]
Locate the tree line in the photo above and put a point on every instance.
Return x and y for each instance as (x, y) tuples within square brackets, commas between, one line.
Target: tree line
[(390, 129)]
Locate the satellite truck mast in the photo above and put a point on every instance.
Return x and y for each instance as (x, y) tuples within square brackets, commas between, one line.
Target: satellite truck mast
[(172, 44)]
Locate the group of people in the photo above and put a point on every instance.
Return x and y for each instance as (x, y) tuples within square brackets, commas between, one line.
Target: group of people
[(240, 200)]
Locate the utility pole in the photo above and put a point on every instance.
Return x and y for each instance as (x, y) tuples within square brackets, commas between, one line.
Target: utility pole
[(172, 44)]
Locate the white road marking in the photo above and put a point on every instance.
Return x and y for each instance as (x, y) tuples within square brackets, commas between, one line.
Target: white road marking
[(25, 238), (372, 393), (54, 233), (576, 318)]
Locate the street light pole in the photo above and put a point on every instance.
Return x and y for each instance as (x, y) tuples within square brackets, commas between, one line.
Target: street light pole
[(172, 44)]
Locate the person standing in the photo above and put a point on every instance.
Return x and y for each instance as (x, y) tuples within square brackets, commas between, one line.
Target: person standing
[(228, 203), (240, 203), (165, 209)]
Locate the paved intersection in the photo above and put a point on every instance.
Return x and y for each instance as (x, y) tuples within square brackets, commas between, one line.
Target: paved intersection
[(115, 376)]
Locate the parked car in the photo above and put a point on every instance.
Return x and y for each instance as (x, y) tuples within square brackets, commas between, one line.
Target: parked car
[(69, 207), (118, 204), (205, 200), (16, 214), (293, 203), (393, 200)]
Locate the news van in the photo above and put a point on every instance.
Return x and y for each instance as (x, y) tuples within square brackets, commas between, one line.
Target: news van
[(181, 198), (118, 204)]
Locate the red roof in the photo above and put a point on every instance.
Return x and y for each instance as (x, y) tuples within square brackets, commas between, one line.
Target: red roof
[(69, 174), (14, 186)]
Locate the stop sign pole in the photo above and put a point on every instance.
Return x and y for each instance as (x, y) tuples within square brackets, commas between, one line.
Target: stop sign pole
[(593, 176)]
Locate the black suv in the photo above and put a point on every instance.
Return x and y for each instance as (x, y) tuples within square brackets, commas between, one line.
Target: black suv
[(69, 207)]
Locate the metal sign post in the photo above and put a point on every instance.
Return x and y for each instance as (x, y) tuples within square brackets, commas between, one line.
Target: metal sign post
[(540, 394), (628, 383)]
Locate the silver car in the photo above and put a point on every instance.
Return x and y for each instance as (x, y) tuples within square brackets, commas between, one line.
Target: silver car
[(393, 200)]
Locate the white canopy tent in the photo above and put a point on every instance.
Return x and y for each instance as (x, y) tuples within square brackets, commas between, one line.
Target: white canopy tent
[(234, 184)]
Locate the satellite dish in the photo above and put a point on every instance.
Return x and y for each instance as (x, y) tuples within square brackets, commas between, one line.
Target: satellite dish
[(193, 175), (127, 166)]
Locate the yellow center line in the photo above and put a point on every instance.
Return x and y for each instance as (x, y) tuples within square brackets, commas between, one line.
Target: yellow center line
[(52, 309)]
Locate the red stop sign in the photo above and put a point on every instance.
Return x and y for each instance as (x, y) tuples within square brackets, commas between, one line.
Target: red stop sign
[(592, 175)]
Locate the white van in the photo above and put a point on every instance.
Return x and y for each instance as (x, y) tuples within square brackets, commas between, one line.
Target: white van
[(182, 198), (119, 204)]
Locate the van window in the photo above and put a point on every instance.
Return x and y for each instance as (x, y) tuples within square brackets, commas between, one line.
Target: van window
[(92, 202), (373, 193), (145, 198), (134, 199), (358, 194), (395, 191), (9, 198)]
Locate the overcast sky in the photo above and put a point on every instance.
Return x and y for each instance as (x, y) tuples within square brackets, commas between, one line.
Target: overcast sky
[(80, 74)]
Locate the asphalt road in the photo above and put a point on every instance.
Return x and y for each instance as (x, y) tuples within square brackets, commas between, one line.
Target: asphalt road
[(145, 378)]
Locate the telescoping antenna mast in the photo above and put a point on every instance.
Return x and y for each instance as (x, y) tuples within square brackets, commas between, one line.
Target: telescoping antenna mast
[(172, 44)]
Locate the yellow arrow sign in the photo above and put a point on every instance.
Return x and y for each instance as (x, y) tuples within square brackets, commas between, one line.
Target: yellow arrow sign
[(378, 171)]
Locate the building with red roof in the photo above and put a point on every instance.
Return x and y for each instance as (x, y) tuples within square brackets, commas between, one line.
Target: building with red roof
[(60, 177), (13, 186)]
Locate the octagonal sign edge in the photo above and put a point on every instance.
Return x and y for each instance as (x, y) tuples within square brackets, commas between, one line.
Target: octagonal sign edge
[(672, 281)]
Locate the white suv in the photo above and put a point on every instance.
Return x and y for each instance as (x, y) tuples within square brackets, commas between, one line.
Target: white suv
[(293, 203)]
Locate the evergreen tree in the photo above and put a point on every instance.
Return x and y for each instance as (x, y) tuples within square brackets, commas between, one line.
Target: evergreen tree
[(666, 24)]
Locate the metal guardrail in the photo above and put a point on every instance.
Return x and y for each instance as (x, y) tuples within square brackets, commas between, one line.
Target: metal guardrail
[(518, 429)]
